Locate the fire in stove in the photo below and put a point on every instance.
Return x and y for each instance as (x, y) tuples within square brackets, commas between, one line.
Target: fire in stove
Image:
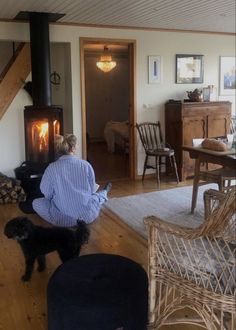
[(41, 127), (39, 136)]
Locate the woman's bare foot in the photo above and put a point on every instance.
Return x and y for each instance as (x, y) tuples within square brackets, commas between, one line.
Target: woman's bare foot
[(108, 187)]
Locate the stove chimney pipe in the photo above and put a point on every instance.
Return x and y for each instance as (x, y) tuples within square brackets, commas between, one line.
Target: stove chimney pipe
[(40, 59), (40, 54)]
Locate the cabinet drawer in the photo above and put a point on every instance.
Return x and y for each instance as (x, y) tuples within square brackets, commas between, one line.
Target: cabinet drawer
[(196, 109)]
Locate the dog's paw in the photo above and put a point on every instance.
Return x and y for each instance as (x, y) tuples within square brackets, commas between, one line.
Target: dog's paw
[(41, 268), (25, 278)]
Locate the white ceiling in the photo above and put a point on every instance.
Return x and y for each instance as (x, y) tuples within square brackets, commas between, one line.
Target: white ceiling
[(193, 15)]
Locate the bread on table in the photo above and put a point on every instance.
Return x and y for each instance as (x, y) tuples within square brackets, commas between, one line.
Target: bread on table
[(213, 144)]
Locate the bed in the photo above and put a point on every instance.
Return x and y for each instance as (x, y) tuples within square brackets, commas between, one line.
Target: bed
[(116, 133)]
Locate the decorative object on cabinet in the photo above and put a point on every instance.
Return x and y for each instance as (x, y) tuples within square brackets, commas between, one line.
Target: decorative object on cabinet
[(206, 94), (195, 96), (186, 121), (151, 137), (154, 69), (227, 75), (213, 92), (209, 93), (189, 69)]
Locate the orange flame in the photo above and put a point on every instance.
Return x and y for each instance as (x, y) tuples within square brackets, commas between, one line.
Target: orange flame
[(40, 134), (43, 136)]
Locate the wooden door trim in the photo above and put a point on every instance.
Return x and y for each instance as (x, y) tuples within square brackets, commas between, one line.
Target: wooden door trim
[(83, 100), (132, 61)]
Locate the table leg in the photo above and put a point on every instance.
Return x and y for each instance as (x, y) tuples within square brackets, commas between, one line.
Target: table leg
[(195, 184)]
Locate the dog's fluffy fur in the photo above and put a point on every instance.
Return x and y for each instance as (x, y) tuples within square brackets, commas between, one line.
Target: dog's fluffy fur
[(36, 241)]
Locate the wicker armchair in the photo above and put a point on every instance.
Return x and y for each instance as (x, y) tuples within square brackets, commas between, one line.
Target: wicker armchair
[(194, 268)]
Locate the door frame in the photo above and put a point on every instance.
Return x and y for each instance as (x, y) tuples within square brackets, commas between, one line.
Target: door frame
[(132, 97)]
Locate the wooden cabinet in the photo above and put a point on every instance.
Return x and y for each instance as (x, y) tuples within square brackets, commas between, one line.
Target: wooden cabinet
[(185, 121)]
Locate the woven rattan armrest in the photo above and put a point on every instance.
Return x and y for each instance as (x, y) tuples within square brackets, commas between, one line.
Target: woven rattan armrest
[(217, 221), (194, 268), (170, 228)]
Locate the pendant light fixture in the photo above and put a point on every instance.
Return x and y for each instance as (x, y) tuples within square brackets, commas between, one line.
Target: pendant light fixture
[(106, 64)]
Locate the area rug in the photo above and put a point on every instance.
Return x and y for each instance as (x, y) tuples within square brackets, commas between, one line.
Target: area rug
[(172, 205)]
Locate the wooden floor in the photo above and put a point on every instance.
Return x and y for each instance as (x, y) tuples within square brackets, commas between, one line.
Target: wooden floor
[(108, 166), (23, 306)]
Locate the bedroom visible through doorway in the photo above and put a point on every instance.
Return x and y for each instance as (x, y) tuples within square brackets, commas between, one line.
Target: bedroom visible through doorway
[(108, 105)]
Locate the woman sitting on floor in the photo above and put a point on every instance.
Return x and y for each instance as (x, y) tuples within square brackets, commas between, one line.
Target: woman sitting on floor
[(69, 189)]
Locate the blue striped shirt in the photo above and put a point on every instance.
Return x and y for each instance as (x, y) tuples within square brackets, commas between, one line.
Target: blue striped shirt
[(68, 186)]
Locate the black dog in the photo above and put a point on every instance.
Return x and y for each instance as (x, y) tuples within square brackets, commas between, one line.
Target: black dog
[(36, 241)]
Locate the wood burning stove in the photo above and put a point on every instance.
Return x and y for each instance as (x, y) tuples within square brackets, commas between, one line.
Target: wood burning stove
[(42, 119)]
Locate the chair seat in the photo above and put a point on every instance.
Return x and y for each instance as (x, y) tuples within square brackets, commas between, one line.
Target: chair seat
[(223, 172), (218, 175), (160, 152), (208, 263)]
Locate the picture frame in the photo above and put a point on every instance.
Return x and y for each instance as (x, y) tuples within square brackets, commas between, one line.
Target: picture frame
[(227, 75), (154, 69), (189, 69)]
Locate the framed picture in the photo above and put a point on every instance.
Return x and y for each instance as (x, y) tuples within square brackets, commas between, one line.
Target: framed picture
[(154, 69), (227, 75), (189, 69)]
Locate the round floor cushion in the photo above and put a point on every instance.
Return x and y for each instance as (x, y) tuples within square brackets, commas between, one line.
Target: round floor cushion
[(98, 292)]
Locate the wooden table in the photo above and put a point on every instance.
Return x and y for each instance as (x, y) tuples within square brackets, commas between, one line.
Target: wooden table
[(224, 158)]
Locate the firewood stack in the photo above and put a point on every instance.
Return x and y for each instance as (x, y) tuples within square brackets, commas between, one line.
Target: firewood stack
[(10, 190)]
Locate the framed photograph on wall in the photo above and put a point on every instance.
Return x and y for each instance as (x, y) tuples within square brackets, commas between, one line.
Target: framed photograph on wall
[(189, 69), (154, 69), (227, 75)]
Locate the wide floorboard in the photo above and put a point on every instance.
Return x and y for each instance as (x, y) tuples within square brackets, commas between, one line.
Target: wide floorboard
[(23, 306)]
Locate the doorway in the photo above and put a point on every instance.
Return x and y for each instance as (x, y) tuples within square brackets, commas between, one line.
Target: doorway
[(108, 108)]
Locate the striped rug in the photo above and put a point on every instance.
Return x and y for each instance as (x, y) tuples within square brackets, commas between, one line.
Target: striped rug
[(172, 205)]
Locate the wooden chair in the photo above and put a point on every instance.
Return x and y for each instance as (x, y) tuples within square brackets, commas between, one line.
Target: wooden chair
[(151, 137), (194, 268), (222, 177)]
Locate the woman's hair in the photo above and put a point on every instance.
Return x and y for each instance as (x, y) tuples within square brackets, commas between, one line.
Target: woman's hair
[(57, 143), (66, 144), (63, 145)]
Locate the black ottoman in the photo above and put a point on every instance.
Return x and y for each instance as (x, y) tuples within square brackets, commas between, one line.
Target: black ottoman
[(98, 292)]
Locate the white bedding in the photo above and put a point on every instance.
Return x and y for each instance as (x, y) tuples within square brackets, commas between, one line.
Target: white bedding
[(116, 132)]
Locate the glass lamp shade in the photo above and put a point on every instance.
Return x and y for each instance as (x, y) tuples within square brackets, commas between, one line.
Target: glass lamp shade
[(106, 64)]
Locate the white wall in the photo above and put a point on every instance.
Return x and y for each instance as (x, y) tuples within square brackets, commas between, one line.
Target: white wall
[(61, 94), (12, 139), (150, 99)]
